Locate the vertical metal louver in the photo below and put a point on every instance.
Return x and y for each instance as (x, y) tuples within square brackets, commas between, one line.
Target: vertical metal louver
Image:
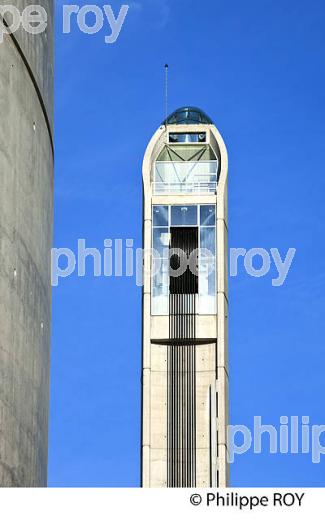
[(181, 399)]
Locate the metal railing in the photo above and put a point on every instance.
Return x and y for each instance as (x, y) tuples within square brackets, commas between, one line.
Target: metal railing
[(164, 188)]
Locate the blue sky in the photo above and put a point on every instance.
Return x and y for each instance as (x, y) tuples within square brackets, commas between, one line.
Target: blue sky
[(258, 69)]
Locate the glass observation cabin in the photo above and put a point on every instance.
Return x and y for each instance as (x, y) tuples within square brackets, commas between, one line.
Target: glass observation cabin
[(187, 164)]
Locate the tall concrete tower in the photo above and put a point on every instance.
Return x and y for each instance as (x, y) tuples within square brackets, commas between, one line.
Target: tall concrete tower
[(26, 207), (185, 305)]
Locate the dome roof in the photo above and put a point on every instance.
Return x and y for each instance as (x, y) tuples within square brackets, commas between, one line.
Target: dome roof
[(188, 116)]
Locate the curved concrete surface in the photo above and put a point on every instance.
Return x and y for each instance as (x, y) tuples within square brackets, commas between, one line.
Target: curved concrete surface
[(26, 215)]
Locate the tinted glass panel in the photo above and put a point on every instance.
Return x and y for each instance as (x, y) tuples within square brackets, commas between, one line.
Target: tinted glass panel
[(194, 116), (160, 215), (161, 241), (181, 116), (187, 138), (188, 115), (160, 286), (207, 236), (207, 215), (184, 215)]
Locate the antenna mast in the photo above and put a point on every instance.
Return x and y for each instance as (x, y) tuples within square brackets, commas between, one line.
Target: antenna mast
[(166, 93)]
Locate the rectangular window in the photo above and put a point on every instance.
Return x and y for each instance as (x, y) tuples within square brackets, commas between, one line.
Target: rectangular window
[(208, 240), (197, 219), (183, 215), (187, 137), (160, 216), (160, 286), (185, 177), (207, 215), (160, 241)]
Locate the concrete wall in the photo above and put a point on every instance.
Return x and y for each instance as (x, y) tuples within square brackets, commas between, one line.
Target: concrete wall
[(26, 215)]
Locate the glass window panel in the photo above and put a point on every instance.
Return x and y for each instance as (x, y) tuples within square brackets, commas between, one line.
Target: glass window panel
[(181, 116), (160, 275), (185, 176), (160, 242), (208, 239), (187, 137), (184, 171), (207, 287), (160, 287), (188, 114), (160, 215), (184, 215), (207, 215), (194, 116)]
